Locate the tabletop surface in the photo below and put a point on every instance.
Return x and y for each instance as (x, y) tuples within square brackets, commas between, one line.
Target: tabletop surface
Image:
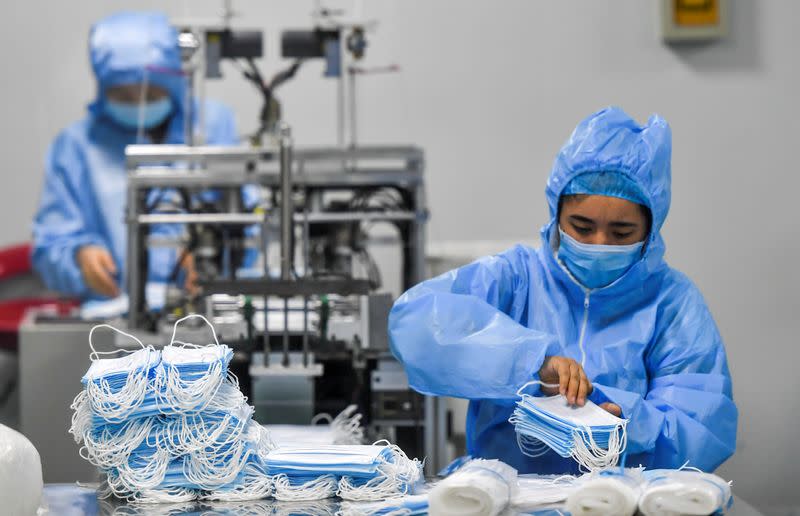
[(73, 500)]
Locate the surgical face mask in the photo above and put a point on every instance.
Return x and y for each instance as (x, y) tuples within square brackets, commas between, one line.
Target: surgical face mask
[(131, 116), (596, 266)]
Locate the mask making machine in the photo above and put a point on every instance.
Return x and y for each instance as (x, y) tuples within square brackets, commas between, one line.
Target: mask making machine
[(288, 280)]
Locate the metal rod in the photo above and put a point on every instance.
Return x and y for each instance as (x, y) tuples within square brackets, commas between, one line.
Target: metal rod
[(306, 259), (355, 216), (287, 226), (287, 211), (265, 358), (340, 92), (305, 331), (211, 153), (352, 108), (133, 258), (200, 218), (285, 332)]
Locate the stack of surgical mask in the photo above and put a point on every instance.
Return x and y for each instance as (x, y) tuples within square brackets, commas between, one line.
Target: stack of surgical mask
[(588, 434), (674, 492), (352, 472), (170, 425), (614, 491), (479, 488), (343, 429)]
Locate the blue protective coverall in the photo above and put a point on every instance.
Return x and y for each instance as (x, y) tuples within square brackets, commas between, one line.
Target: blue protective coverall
[(84, 194), (651, 345)]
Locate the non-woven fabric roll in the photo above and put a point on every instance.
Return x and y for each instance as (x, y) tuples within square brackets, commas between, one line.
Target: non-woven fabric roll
[(671, 492), (605, 494), (538, 491), (479, 488)]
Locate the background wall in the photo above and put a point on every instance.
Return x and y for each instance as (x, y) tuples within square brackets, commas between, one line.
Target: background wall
[(490, 90)]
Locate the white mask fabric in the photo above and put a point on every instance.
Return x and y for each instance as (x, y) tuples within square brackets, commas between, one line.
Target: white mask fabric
[(676, 492), (607, 492), (593, 437), (479, 488)]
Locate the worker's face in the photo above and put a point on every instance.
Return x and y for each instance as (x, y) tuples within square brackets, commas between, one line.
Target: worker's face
[(132, 93), (601, 220)]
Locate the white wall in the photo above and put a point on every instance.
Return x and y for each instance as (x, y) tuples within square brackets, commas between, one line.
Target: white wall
[(490, 90)]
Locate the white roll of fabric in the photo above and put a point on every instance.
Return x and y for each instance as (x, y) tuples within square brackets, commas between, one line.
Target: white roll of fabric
[(671, 492), (479, 488), (542, 491), (606, 493)]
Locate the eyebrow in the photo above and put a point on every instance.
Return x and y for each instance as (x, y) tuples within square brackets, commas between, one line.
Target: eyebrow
[(623, 224), (620, 224), (581, 218)]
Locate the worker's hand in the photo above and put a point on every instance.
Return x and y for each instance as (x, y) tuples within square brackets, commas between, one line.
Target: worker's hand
[(613, 408), (568, 374), (98, 269), (190, 283)]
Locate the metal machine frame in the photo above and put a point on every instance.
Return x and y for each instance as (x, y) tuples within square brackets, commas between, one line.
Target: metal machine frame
[(286, 171)]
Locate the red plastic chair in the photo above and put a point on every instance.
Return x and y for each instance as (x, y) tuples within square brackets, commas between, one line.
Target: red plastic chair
[(16, 268)]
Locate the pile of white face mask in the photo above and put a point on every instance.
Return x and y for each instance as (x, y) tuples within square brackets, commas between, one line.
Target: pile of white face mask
[(478, 488), (483, 487), (673, 492), (590, 435), (343, 429), (538, 492), (170, 425), (657, 492), (352, 472), (614, 491)]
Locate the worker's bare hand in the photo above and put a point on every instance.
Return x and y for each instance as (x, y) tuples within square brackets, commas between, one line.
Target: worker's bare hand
[(570, 377), (98, 269), (612, 408), (190, 284)]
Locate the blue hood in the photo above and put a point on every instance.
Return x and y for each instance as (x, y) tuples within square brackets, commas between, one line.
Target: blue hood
[(612, 141), (129, 47)]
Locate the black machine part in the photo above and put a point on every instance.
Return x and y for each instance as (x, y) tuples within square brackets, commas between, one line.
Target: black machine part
[(236, 44), (306, 44)]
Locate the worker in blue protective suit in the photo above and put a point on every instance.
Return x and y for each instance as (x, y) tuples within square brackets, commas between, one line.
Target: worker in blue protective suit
[(595, 309), (79, 231)]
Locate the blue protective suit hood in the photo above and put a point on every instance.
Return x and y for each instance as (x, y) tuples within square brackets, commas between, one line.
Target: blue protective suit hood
[(612, 141), (134, 47)]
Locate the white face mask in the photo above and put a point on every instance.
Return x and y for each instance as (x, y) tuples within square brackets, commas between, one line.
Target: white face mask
[(479, 487), (683, 492), (590, 435), (135, 361), (588, 415), (190, 375)]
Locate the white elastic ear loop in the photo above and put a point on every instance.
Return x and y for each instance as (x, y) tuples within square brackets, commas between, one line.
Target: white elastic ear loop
[(316, 489), (593, 457), (175, 393), (536, 382), (193, 316), (94, 355), (322, 416)]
